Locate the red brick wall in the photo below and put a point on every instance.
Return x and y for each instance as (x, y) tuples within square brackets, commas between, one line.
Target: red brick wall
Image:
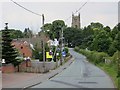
[(8, 68)]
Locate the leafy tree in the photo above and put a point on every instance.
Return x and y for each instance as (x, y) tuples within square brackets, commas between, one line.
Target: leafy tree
[(114, 31), (8, 51), (47, 26), (54, 29), (57, 26), (96, 25), (87, 37), (16, 34), (48, 30), (101, 42), (107, 29), (112, 49), (117, 39), (72, 36)]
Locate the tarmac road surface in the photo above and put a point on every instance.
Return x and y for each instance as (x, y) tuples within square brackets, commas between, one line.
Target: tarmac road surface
[(80, 74)]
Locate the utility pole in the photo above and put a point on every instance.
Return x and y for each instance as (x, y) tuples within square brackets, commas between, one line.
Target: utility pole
[(61, 38), (43, 19), (43, 45)]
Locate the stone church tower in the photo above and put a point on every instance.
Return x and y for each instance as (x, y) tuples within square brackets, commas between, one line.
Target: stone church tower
[(76, 21)]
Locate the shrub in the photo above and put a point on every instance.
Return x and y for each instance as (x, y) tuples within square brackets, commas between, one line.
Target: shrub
[(115, 56), (99, 57), (76, 49), (95, 57)]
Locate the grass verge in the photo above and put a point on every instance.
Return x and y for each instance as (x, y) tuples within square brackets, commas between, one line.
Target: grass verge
[(111, 71)]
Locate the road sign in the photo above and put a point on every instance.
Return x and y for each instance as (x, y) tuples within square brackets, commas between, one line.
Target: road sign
[(48, 55), (63, 53)]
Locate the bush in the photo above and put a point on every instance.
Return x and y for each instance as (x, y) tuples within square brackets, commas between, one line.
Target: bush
[(111, 50), (95, 57), (119, 83), (99, 57), (76, 49)]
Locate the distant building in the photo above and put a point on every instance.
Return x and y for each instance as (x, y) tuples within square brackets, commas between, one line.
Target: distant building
[(23, 48), (76, 21), (35, 40)]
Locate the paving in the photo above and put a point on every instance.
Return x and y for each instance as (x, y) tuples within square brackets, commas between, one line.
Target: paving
[(25, 80)]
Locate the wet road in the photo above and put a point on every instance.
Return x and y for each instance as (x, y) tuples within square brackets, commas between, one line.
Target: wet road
[(80, 74)]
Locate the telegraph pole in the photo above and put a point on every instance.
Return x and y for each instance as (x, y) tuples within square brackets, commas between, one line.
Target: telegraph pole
[(61, 59), (43, 45)]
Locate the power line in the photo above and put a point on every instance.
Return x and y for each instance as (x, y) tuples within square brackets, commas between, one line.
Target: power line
[(81, 7), (77, 10), (25, 8)]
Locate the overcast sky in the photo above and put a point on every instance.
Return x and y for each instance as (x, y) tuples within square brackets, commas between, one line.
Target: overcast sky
[(18, 18)]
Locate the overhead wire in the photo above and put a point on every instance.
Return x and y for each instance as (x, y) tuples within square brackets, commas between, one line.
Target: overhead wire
[(77, 10), (41, 14), (26, 8)]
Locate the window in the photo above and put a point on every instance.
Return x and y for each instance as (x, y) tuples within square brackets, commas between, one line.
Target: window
[(76, 26), (23, 54), (21, 47)]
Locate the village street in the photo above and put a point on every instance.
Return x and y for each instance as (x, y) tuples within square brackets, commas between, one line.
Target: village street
[(74, 74), (80, 74), (25, 80)]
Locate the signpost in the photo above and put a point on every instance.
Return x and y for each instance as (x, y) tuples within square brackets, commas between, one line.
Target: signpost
[(48, 55), (63, 53)]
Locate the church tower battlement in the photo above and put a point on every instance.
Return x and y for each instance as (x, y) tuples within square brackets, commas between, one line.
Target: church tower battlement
[(76, 21)]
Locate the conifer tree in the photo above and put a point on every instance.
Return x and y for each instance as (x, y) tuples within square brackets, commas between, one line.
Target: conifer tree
[(8, 51)]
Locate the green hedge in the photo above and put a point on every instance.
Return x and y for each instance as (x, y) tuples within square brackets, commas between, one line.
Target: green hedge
[(93, 56), (119, 83), (98, 59), (76, 49)]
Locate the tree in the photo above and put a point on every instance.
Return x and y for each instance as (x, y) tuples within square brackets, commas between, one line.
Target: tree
[(48, 30), (54, 29), (16, 34), (112, 49), (87, 37), (117, 39), (47, 26), (96, 25), (57, 26), (72, 36), (8, 51), (107, 29), (101, 42), (114, 31)]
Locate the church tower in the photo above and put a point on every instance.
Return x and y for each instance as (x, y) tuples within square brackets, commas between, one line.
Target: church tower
[(76, 21)]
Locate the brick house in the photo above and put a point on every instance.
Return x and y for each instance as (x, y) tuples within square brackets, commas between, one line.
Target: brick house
[(23, 48)]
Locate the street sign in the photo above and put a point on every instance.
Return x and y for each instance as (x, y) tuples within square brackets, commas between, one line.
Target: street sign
[(63, 53), (48, 55)]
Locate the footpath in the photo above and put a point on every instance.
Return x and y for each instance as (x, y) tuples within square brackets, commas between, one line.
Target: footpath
[(27, 80)]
